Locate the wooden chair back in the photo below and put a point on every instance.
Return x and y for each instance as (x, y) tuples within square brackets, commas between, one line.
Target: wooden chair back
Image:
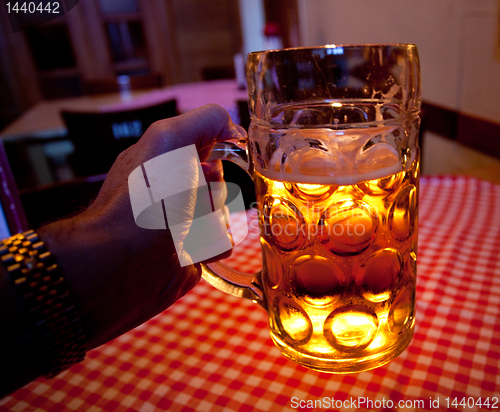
[(47, 203), (99, 137)]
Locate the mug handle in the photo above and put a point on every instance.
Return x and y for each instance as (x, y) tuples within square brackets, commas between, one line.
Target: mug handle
[(219, 275)]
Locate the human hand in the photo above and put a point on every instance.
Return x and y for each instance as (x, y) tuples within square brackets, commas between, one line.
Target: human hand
[(120, 274)]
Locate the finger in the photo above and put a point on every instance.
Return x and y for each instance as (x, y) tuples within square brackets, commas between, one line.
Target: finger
[(202, 127), (213, 171), (190, 281)]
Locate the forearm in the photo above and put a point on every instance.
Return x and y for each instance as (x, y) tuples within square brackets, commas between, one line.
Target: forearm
[(119, 274)]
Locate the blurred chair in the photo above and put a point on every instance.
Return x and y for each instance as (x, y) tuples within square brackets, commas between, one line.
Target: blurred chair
[(46, 203), (244, 113), (99, 137), (110, 85), (218, 73), (13, 218)]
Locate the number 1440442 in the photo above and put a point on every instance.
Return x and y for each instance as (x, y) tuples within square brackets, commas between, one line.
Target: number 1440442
[(43, 7), (470, 402)]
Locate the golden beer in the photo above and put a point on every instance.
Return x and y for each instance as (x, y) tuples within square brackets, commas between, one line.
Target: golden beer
[(339, 268), (333, 151)]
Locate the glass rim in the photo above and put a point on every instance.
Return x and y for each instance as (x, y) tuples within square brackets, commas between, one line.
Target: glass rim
[(353, 46)]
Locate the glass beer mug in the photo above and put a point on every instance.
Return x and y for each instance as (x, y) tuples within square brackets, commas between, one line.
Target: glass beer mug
[(333, 152)]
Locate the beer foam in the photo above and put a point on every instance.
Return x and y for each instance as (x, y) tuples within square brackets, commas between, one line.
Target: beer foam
[(340, 180), (338, 157)]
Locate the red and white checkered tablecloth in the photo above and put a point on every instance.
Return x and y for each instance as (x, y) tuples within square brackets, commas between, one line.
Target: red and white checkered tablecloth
[(212, 352)]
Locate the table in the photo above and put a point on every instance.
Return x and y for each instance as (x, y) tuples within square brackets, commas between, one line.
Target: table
[(189, 96), (44, 121), (42, 125), (212, 352)]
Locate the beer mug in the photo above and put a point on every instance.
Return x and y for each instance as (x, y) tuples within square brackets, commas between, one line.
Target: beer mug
[(333, 153)]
